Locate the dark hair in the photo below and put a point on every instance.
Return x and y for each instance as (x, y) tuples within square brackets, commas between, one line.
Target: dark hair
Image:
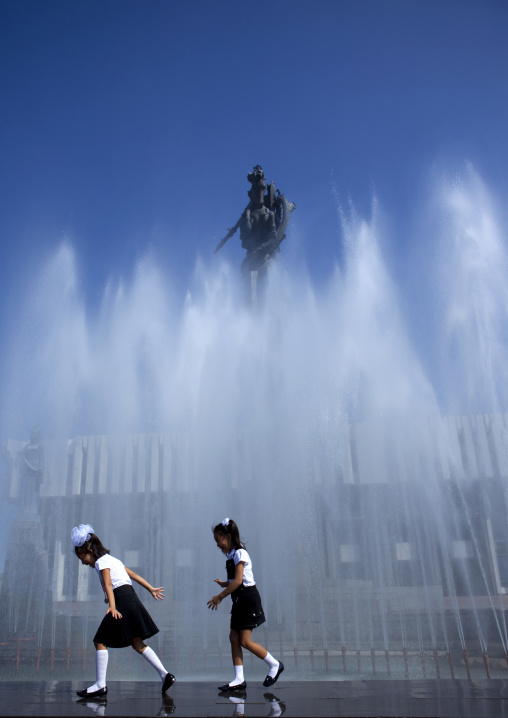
[(231, 529), (93, 546)]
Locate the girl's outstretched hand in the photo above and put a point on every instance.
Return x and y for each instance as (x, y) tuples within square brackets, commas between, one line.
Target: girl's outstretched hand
[(213, 603), (114, 613), (158, 593), (222, 584)]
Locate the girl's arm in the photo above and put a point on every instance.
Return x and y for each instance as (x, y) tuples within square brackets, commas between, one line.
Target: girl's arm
[(157, 593), (108, 587), (214, 602)]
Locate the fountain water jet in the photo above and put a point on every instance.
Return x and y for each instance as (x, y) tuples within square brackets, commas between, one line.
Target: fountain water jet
[(349, 461)]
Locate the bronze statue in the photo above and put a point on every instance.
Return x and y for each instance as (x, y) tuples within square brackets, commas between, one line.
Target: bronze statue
[(262, 225)]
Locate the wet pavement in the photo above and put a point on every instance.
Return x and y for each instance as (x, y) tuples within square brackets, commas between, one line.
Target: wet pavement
[(303, 699)]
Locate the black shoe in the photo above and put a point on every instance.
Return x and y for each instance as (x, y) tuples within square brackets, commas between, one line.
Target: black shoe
[(269, 681), (168, 682), (226, 688), (94, 694)]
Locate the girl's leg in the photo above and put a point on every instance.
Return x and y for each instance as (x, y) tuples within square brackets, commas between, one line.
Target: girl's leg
[(236, 647), (101, 667), (237, 655), (258, 650), (153, 659), (246, 641)]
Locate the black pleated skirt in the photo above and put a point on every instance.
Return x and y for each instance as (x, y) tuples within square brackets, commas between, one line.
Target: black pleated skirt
[(247, 611), (136, 622)]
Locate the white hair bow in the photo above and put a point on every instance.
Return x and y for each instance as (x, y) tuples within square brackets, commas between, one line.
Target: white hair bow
[(81, 533), (225, 522)]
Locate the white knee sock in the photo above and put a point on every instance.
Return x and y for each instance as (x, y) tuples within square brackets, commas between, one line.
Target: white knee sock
[(273, 665), (101, 666), (238, 676), (154, 660)]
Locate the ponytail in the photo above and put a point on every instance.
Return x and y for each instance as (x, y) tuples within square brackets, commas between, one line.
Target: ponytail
[(229, 528)]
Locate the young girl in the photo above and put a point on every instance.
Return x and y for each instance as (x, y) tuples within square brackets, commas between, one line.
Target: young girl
[(247, 611), (127, 622)]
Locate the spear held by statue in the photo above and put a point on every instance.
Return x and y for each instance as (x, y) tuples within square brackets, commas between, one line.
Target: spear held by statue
[(228, 236)]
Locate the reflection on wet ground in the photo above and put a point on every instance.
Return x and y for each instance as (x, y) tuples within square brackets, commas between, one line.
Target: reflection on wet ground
[(304, 699)]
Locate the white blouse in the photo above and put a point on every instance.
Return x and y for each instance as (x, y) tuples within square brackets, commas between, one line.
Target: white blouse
[(238, 555), (119, 576)]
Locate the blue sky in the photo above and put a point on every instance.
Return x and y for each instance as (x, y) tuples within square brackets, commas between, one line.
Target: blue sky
[(133, 124)]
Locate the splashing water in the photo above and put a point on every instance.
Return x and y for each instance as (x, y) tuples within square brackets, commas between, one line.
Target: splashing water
[(368, 481)]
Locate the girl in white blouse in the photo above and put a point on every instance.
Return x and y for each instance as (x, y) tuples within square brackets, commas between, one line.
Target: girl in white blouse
[(127, 622), (247, 611)]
